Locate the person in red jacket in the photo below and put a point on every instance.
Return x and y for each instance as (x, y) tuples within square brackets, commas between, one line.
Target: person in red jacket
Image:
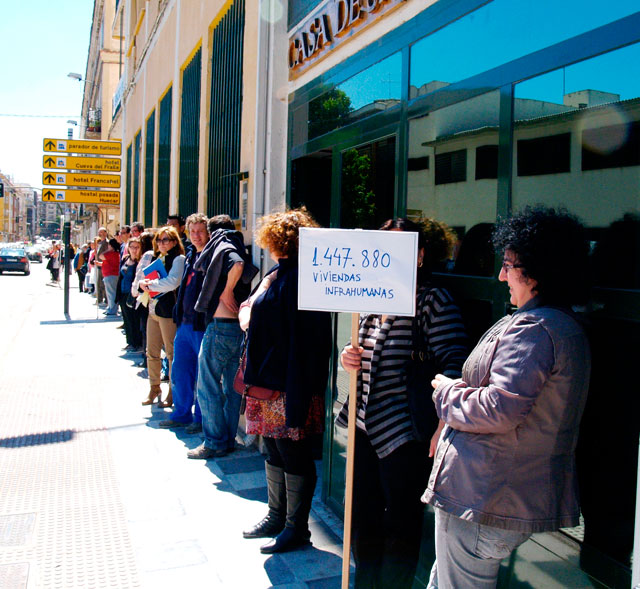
[(110, 270)]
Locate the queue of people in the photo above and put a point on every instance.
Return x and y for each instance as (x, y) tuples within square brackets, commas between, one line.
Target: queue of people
[(498, 462)]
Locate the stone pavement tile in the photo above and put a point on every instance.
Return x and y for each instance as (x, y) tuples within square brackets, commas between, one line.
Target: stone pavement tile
[(242, 464), (329, 583), (171, 555), (257, 494), (322, 535), (185, 577), (279, 573), (247, 480), (312, 563)]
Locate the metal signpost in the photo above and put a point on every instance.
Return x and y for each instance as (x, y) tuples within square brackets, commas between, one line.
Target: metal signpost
[(67, 262), (356, 271), (83, 184)]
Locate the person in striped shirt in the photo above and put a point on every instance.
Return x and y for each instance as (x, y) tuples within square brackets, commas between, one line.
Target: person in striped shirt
[(391, 465)]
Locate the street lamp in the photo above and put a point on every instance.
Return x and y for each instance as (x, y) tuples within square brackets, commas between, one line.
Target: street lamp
[(70, 131), (74, 76)]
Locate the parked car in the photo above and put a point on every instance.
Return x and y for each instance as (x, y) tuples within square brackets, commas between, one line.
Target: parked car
[(13, 259), (34, 254)]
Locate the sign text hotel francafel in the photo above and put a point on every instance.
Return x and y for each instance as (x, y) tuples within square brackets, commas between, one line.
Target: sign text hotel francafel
[(334, 22)]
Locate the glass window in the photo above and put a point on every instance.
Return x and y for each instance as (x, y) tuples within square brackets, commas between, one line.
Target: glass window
[(585, 120), (368, 184), (597, 103), (365, 94), (452, 176), (502, 31)]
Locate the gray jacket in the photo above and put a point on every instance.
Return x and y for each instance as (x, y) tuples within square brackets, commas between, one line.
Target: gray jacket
[(506, 457)]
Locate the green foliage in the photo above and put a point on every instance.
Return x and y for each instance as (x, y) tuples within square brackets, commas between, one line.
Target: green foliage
[(328, 112), (358, 197)]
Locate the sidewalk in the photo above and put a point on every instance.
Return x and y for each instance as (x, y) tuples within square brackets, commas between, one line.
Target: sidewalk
[(94, 494)]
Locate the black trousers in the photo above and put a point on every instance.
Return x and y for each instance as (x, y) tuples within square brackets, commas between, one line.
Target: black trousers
[(131, 322), (293, 456), (387, 513)]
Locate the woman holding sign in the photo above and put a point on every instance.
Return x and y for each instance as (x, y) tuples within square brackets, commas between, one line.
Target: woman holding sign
[(390, 463), (160, 296), (287, 351), (505, 465)]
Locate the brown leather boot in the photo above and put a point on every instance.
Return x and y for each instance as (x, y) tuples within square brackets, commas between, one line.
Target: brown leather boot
[(168, 402), (154, 392)]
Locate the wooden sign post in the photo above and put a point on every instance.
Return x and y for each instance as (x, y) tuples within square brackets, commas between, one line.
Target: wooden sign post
[(356, 271)]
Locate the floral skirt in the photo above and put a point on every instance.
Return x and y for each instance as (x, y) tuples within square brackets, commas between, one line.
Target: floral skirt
[(268, 418)]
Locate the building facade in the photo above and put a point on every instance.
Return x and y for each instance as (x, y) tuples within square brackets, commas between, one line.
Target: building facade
[(462, 110), (465, 111)]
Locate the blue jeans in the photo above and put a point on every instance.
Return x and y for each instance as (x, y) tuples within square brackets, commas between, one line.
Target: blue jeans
[(468, 554), (217, 365), (111, 285), (184, 373)]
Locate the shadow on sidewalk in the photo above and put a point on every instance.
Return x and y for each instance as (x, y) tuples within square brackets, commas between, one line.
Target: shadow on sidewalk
[(65, 435)]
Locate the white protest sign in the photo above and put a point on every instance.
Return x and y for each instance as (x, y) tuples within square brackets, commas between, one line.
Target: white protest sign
[(357, 271)]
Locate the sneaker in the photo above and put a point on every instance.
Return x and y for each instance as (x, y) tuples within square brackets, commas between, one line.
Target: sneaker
[(169, 424), (204, 453), (194, 428)]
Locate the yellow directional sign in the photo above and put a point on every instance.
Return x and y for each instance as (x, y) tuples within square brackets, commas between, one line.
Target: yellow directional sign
[(83, 146), (68, 162), (101, 197), (71, 179)]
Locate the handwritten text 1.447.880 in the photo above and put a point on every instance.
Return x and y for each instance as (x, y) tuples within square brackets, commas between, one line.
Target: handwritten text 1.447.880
[(343, 258)]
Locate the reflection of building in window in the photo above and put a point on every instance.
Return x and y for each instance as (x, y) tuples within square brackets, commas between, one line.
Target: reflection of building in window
[(613, 146), (451, 167), (426, 88), (544, 155), (601, 164)]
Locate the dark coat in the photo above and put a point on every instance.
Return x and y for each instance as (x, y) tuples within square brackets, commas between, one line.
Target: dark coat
[(199, 320), (288, 350)]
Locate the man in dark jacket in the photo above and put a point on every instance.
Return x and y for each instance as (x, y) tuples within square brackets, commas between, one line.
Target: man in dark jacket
[(227, 272), (191, 326)]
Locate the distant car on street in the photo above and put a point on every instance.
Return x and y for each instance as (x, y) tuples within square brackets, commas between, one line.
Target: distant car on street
[(34, 254), (13, 259)]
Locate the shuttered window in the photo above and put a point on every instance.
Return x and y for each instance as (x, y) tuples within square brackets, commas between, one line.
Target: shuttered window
[(137, 141), (127, 189), (164, 156), (544, 155), (225, 132), (189, 137), (150, 139), (451, 167)]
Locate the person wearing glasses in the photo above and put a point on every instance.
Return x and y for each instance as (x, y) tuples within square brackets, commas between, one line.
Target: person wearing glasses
[(504, 466), (161, 329)]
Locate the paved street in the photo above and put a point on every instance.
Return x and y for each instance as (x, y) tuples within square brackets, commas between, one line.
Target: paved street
[(94, 494)]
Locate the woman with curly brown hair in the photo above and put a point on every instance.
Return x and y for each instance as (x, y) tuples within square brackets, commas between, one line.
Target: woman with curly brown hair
[(288, 351)]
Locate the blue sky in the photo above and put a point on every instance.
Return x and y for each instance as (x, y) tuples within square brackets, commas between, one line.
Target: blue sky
[(40, 43), (499, 32)]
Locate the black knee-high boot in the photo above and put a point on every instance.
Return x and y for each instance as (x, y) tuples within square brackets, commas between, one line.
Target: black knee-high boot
[(296, 531), (273, 523)]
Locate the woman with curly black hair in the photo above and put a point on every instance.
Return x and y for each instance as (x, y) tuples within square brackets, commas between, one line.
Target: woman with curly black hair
[(505, 465)]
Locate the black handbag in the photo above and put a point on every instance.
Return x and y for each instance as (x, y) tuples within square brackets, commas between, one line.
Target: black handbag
[(420, 371)]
